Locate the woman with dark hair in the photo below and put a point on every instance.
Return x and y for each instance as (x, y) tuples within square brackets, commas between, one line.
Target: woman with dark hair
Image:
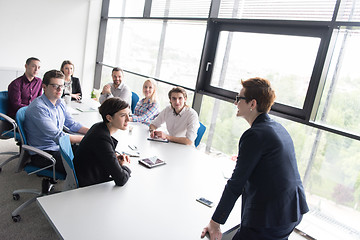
[(71, 83), (266, 173), (96, 160)]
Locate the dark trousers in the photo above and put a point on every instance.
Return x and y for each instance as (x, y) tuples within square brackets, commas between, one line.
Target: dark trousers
[(274, 233), (41, 162)]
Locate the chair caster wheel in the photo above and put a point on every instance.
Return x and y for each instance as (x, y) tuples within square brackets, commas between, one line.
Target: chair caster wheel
[(16, 197), (16, 218)]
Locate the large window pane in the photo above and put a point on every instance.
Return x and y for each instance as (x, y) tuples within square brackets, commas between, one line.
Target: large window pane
[(133, 45), (182, 52), (340, 105), (329, 166), (169, 50), (287, 61)]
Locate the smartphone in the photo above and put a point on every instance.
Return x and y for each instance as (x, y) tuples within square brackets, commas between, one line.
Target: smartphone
[(205, 202)]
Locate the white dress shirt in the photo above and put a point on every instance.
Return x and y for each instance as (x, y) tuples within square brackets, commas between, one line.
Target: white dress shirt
[(184, 124)]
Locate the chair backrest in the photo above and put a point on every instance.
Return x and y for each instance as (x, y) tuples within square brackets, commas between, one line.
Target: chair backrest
[(134, 100), (71, 181), (3, 102), (20, 119), (200, 134), (24, 161), (7, 124)]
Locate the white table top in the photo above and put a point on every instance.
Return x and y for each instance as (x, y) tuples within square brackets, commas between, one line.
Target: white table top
[(156, 203)]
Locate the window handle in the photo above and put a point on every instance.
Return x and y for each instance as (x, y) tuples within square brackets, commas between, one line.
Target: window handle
[(208, 66)]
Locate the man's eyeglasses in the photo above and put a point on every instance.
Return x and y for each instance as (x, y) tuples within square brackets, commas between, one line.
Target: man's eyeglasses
[(57, 86), (238, 98)]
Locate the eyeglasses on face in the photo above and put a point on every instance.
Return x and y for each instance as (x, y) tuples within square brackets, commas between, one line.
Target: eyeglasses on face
[(238, 98), (57, 86)]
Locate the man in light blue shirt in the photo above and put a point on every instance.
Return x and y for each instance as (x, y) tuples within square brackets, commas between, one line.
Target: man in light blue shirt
[(45, 118)]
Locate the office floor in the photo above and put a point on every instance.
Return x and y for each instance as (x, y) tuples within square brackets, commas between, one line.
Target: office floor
[(33, 224)]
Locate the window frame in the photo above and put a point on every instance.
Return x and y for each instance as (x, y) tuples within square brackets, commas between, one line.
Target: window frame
[(267, 27)]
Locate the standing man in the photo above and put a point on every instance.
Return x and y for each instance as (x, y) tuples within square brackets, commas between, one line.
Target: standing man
[(182, 122), (116, 89), (45, 119), (23, 90)]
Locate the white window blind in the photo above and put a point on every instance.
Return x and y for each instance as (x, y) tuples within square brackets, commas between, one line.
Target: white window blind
[(126, 8), (349, 11), (180, 8), (310, 10)]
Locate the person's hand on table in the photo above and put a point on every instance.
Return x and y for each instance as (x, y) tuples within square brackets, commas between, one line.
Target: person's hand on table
[(76, 96), (159, 134), (152, 133), (213, 228), (123, 159)]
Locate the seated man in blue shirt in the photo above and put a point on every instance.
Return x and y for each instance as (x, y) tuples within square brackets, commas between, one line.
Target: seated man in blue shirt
[(45, 118)]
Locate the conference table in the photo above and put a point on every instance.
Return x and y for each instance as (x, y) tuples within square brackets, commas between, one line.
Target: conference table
[(156, 203)]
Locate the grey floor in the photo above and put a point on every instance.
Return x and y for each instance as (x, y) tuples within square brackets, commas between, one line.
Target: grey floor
[(33, 224)]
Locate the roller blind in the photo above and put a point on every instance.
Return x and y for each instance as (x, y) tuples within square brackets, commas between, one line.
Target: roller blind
[(349, 11), (180, 8), (310, 10)]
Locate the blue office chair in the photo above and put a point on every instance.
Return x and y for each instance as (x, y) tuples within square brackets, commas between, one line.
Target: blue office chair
[(71, 181), (200, 134), (134, 100), (50, 176), (7, 127)]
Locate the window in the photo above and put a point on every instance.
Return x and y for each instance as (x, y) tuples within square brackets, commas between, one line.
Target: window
[(169, 50), (340, 105), (133, 45), (287, 61)]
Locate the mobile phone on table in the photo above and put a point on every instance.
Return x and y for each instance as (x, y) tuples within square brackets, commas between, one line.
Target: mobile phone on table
[(205, 201)]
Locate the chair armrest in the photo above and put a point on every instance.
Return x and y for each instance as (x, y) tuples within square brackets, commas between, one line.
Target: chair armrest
[(40, 152), (43, 154), (7, 118), (5, 130)]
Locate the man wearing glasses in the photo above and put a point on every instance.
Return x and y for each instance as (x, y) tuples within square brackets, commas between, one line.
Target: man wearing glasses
[(24, 89), (45, 119)]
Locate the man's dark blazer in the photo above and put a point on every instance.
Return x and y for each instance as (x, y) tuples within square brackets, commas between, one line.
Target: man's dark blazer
[(267, 177)]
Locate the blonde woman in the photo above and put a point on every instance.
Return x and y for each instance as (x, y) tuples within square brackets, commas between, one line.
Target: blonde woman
[(147, 108)]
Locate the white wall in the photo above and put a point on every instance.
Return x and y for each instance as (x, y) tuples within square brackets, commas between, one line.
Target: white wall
[(51, 30)]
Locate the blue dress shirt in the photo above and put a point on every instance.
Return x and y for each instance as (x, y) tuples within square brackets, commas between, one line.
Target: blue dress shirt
[(44, 123)]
